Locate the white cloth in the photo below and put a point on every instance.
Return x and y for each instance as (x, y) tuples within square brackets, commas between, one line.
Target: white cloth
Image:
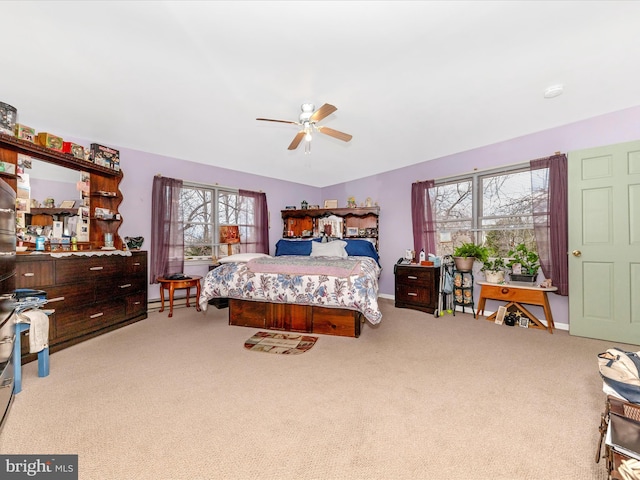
[(38, 330)]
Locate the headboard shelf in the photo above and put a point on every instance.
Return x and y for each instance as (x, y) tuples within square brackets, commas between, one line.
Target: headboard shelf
[(357, 222)]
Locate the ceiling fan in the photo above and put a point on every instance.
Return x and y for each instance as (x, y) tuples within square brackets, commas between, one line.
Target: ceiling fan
[(308, 121)]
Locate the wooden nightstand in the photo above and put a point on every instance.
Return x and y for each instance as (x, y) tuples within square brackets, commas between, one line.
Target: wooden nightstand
[(417, 287)]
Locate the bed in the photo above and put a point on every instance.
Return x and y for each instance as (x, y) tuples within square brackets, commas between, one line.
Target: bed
[(308, 286)]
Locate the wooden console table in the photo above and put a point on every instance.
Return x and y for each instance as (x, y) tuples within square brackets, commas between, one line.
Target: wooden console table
[(172, 285), (517, 294)]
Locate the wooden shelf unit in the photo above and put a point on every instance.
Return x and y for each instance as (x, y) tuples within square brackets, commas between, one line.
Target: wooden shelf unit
[(102, 179), (299, 221)]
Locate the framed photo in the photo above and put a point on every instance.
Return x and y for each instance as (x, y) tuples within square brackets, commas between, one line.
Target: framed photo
[(352, 231), (290, 207), (523, 322), (314, 207), (331, 204), (502, 311), (68, 204)]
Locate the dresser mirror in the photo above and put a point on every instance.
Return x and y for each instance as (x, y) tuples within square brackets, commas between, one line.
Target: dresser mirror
[(50, 181)]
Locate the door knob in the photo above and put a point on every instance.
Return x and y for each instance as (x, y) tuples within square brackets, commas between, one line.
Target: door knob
[(576, 253)]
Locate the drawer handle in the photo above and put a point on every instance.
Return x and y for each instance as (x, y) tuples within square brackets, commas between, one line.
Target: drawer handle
[(28, 274), (504, 291), (137, 303), (411, 277), (6, 210), (127, 285), (96, 315), (56, 299), (6, 254), (137, 264), (411, 294), (96, 268)]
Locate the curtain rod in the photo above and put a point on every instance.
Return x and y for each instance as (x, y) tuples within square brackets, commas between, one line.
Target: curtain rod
[(488, 170)]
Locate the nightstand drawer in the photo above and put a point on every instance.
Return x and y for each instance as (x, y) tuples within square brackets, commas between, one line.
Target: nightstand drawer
[(413, 294), (415, 275)]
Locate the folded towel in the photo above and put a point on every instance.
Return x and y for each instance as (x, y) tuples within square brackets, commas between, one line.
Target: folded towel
[(38, 330)]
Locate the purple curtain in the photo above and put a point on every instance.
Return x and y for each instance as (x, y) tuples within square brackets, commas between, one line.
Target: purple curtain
[(424, 228), (256, 234), (550, 218), (167, 240)]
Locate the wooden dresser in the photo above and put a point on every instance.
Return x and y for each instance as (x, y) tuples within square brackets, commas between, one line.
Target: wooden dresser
[(417, 287), (91, 295)]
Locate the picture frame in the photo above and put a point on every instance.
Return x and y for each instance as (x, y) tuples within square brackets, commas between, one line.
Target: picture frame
[(502, 311), (68, 204), (352, 231), (290, 207), (331, 204), (523, 321), (314, 207)]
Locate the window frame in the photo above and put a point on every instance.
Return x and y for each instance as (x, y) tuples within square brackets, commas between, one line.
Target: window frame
[(476, 229), (215, 237)]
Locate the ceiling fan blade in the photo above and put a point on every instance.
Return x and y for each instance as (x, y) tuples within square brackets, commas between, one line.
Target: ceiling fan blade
[(324, 111), (296, 140), (345, 137), (280, 121)]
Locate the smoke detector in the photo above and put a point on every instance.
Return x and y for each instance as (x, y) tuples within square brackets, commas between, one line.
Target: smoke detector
[(553, 91)]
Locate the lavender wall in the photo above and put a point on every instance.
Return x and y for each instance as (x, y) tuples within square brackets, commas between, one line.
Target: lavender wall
[(392, 190), (139, 169)]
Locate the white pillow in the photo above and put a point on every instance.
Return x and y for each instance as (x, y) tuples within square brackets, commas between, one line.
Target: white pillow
[(241, 257), (330, 249)]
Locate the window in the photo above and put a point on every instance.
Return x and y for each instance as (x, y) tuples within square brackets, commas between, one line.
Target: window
[(204, 209), (493, 208)]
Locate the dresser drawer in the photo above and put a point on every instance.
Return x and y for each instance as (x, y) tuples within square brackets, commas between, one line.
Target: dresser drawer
[(136, 264), (136, 303), (74, 269), (30, 274), (119, 286), (69, 296), (89, 318)]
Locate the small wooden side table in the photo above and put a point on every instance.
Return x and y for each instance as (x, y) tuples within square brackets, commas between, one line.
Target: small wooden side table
[(516, 294), (173, 285)]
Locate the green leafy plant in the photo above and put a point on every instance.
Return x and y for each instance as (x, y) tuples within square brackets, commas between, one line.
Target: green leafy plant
[(467, 250), (528, 260), (494, 265)]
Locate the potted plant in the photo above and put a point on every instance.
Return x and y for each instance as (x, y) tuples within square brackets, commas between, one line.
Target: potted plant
[(494, 270), (465, 254), (524, 264)]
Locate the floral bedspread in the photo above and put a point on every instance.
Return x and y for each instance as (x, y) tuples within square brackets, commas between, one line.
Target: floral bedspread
[(355, 292)]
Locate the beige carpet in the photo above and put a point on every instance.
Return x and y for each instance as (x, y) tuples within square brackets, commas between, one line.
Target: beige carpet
[(415, 398)]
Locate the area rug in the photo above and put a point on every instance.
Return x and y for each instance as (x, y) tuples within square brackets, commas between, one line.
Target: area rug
[(282, 343)]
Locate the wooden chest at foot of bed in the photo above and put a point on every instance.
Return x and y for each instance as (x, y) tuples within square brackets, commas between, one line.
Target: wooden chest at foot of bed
[(295, 318)]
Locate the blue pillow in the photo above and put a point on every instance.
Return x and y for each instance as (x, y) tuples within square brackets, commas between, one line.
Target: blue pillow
[(362, 248), (293, 247)]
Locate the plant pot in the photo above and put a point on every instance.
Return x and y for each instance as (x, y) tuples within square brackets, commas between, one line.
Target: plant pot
[(494, 276), (464, 264), (524, 278)]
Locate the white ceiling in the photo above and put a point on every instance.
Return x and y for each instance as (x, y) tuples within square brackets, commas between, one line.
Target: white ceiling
[(412, 81)]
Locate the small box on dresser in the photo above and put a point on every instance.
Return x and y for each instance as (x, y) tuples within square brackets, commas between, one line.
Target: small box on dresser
[(417, 287)]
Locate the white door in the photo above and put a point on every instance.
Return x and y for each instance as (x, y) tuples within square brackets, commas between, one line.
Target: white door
[(604, 242)]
